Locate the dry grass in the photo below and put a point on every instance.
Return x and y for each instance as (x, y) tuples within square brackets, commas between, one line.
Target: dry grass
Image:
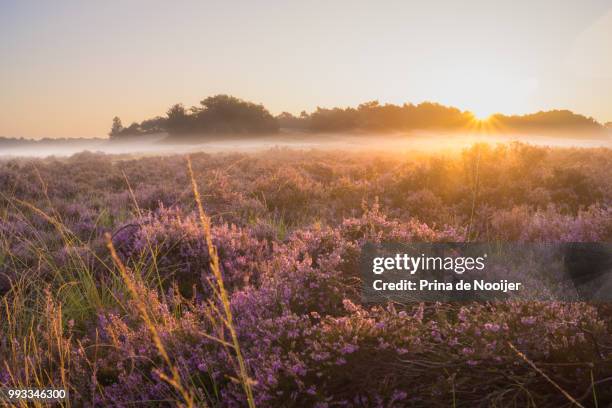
[(543, 374), (219, 290), (175, 379)]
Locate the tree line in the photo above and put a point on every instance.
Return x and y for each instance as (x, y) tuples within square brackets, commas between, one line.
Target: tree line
[(228, 115)]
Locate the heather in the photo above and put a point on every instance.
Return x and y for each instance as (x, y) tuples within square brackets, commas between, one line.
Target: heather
[(287, 227)]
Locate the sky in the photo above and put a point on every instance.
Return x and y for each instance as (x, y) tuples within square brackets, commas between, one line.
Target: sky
[(68, 67)]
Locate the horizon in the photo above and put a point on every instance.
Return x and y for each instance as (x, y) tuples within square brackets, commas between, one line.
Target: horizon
[(63, 79), (477, 125)]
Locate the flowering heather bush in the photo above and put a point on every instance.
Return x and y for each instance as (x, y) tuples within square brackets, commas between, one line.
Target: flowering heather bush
[(288, 227), (550, 225), (174, 247)]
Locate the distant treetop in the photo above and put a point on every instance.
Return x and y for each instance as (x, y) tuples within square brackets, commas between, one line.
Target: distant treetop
[(227, 115)]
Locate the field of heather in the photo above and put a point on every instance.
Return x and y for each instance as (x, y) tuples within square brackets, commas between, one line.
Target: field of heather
[(116, 285)]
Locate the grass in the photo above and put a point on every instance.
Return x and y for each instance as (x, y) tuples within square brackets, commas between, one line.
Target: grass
[(219, 289), (29, 308)]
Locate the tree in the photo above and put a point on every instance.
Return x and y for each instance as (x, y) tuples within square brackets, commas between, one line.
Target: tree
[(154, 125), (224, 114), (178, 119), (117, 127)]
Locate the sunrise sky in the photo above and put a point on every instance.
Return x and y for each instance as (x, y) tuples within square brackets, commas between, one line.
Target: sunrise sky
[(68, 67)]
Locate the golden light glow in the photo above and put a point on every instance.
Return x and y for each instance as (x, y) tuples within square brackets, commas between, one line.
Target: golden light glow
[(482, 116), (484, 125)]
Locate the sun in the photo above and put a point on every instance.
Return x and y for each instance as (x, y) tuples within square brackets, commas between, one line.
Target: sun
[(482, 115)]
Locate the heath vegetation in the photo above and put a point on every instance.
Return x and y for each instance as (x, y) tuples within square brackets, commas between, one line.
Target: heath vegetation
[(233, 281)]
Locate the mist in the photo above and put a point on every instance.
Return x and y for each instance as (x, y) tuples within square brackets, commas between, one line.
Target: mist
[(419, 141)]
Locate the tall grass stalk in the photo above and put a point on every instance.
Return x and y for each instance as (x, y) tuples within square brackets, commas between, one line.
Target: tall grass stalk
[(84, 294), (149, 245), (130, 283), (221, 291), (476, 185), (543, 374), (34, 371)]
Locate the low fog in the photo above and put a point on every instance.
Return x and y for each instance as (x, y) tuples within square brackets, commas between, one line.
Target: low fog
[(158, 144)]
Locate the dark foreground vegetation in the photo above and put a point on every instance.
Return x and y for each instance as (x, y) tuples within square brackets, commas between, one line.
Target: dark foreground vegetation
[(227, 115), (287, 327)]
